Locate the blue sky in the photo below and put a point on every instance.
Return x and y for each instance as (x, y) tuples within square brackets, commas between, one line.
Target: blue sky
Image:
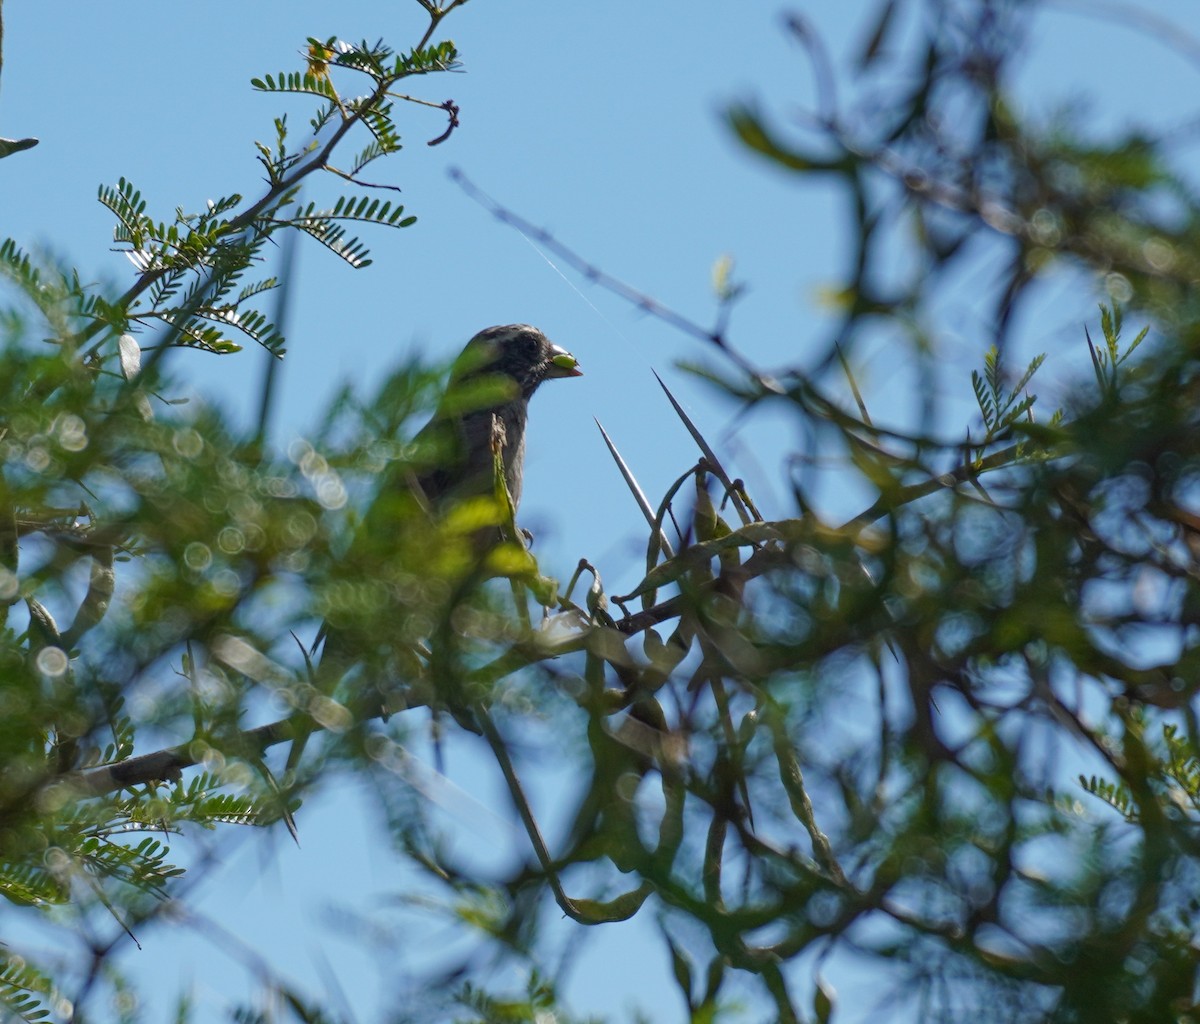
[(600, 122)]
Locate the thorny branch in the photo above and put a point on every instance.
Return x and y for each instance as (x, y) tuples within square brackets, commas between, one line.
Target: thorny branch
[(607, 281)]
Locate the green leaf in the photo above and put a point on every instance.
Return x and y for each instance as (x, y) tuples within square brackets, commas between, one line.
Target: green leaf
[(296, 82), (10, 146), (753, 132)]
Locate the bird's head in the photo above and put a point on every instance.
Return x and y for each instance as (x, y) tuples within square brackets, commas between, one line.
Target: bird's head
[(519, 352)]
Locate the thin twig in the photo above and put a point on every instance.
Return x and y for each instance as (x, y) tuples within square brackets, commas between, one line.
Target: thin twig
[(607, 281)]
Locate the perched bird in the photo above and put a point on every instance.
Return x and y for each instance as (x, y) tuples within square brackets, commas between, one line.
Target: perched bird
[(516, 359), (484, 412)]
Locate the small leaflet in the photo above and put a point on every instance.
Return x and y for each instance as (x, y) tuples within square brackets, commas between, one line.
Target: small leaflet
[(131, 356)]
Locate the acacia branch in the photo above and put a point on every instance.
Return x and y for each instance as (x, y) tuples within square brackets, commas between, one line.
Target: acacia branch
[(166, 764), (290, 181)]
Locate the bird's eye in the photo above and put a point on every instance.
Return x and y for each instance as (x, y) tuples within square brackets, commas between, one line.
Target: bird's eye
[(529, 347)]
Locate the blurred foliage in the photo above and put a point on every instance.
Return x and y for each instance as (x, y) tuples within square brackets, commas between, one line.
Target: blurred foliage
[(954, 737)]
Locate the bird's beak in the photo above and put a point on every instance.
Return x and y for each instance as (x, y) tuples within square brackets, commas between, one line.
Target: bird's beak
[(562, 364)]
